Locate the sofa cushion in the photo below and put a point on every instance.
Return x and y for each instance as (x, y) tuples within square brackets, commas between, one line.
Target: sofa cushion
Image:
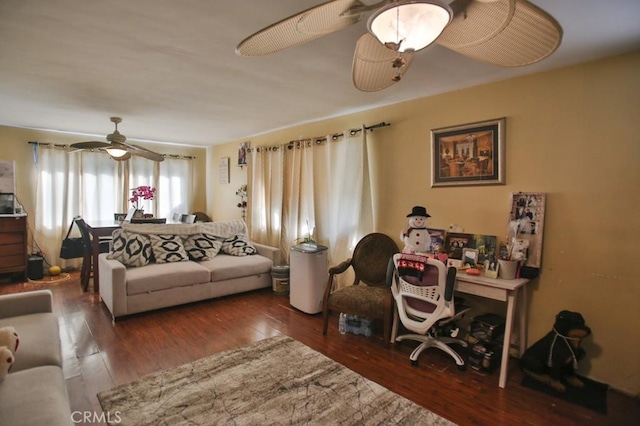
[(201, 247), (37, 396), (238, 245), (130, 249), (39, 340), (162, 276), (224, 267), (168, 248)]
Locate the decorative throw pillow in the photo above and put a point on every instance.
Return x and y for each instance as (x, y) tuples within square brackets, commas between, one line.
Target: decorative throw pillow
[(201, 247), (168, 248), (238, 245), (130, 249)]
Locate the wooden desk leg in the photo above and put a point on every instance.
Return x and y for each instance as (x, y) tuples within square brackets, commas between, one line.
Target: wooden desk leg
[(504, 363), (522, 309), (95, 246)]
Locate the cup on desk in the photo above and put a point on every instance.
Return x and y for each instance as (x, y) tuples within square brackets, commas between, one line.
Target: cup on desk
[(507, 269)]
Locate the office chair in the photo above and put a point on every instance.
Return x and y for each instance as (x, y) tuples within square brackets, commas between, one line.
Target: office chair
[(423, 292)]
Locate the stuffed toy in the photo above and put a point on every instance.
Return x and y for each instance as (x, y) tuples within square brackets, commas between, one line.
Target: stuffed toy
[(9, 338), (417, 239), (553, 359), (6, 361)]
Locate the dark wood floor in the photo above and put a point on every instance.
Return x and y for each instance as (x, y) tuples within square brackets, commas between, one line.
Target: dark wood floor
[(100, 354)]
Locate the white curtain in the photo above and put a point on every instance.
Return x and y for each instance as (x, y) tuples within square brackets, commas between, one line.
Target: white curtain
[(175, 177), (66, 187), (92, 185), (266, 186), (319, 188), (298, 213), (344, 210)]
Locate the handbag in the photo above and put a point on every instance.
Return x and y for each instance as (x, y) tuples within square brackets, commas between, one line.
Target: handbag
[(71, 247)]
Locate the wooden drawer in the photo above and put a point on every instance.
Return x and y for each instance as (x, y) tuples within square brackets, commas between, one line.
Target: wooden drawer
[(13, 261), (10, 224), (10, 239), (10, 250)]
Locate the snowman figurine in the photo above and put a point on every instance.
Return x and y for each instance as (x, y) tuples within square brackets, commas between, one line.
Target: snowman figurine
[(417, 239)]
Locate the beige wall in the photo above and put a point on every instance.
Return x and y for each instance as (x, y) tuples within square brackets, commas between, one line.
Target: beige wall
[(571, 133), (15, 146)]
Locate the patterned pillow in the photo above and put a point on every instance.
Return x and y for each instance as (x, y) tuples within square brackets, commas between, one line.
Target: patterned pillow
[(201, 247), (130, 249), (238, 245), (168, 248)]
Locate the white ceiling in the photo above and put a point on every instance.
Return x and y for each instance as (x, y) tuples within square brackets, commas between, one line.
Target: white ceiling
[(168, 67)]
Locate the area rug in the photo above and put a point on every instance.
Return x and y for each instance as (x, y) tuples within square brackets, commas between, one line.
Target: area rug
[(274, 381), (593, 395)]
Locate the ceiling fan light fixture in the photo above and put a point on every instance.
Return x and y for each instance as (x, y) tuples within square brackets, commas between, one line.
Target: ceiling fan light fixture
[(410, 25), (116, 152)]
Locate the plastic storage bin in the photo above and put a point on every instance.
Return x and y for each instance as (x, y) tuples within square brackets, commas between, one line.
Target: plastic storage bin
[(280, 280)]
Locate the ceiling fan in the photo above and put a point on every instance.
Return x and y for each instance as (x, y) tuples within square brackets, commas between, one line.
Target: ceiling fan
[(509, 33), (117, 147)]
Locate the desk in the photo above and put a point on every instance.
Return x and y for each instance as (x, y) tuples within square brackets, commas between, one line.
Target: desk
[(510, 291), (97, 230)]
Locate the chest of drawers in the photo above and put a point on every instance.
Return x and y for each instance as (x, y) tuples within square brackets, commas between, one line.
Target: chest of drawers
[(13, 244)]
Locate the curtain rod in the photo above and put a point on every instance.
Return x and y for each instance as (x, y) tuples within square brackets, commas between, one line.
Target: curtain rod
[(352, 132), (66, 147), (320, 139)]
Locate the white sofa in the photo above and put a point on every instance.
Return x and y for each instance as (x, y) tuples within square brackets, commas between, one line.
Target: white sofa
[(34, 392), (127, 290)]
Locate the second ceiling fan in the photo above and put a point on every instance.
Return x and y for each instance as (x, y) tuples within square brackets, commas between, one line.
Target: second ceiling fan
[(508, 33), (117, 147)]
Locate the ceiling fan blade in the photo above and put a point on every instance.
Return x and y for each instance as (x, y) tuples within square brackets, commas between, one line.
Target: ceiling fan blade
[(143, 152), (376, 67), (509, 33), (300, 28), (89, 145)]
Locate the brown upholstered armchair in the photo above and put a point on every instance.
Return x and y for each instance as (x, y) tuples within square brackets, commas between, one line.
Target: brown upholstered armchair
[(369, 295)]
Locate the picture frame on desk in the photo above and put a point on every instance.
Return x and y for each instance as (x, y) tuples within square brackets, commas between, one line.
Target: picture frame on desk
[(469, 154), (455, 242), (491, 268), (470, 257), (437, 239)]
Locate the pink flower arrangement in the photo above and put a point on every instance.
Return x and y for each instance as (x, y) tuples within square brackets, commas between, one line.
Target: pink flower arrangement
[(142, 192)]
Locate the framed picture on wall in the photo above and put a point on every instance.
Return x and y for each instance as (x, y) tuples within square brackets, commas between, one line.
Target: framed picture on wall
[(223, 169), (243, 151), (469, 154)]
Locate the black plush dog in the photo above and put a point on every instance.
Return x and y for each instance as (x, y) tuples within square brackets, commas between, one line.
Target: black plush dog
[(554, 358)]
